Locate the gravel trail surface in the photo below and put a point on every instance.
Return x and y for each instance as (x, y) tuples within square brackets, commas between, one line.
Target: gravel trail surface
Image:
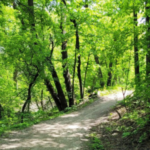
[(68, 132)]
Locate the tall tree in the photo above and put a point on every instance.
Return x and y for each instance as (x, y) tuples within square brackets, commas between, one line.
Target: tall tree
[(64, 53), (148, 38), (136, 51), (100, 74), (36, 74), (77, 47), (109, 80)]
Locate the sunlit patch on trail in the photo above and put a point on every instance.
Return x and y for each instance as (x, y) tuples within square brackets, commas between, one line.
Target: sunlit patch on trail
[(70, 115)]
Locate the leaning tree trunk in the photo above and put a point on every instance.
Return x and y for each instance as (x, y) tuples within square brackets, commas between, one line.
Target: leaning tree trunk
[(53, 94), (60, 93), (50, 102), (58, 86), (32, 25), (28, 100)]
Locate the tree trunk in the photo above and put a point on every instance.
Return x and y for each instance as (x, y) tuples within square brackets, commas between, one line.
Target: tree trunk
[(50, 102), (54, 95), (86, 69), (1, 111), (115, 78), (60, 97), (65, 66), (74, 70), (79, 57), (42, 105), (78, 60), (58, 86), (31, 15), (100, 74), (67, 77), (136, 55), (28, 100), (148, 40), (109, 81), (86, 4), (15, 74), (37, 104)]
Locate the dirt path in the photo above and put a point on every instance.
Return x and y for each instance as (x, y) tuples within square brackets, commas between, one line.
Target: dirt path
[(67, 132)]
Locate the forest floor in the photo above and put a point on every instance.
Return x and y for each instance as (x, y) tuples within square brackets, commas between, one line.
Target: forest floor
[(67, 132)]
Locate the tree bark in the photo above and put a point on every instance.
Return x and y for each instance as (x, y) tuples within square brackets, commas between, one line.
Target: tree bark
[(42, 105), (1, 111), (61, 96), (28, 100), (31, 14), (66, 73), (54, 95), (50, 102), (100, 74), (86, 69), (78, 60), (109, 81), (86, 4), (15, 74), (136, 55), (37, 104), (74, 70), (148, 40), (77, 46), (58, 86)]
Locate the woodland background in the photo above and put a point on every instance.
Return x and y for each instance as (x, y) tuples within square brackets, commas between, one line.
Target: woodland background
[(55, 53)]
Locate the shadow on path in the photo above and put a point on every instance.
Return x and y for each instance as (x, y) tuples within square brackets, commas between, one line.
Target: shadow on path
[(67, 132)]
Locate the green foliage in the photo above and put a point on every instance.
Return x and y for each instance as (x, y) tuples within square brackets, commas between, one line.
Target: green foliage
[(31, 44), (13, 123), (143, 137), (69, 109), (96, 144), (125, 134), (137, 118)]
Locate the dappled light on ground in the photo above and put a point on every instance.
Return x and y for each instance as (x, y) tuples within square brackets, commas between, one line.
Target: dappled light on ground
[(70, 115), (68, 132)]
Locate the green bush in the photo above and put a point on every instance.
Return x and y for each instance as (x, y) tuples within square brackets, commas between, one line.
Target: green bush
[(96, 144)]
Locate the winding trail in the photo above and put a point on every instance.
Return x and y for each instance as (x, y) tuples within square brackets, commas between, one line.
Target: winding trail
[(68, 132)]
